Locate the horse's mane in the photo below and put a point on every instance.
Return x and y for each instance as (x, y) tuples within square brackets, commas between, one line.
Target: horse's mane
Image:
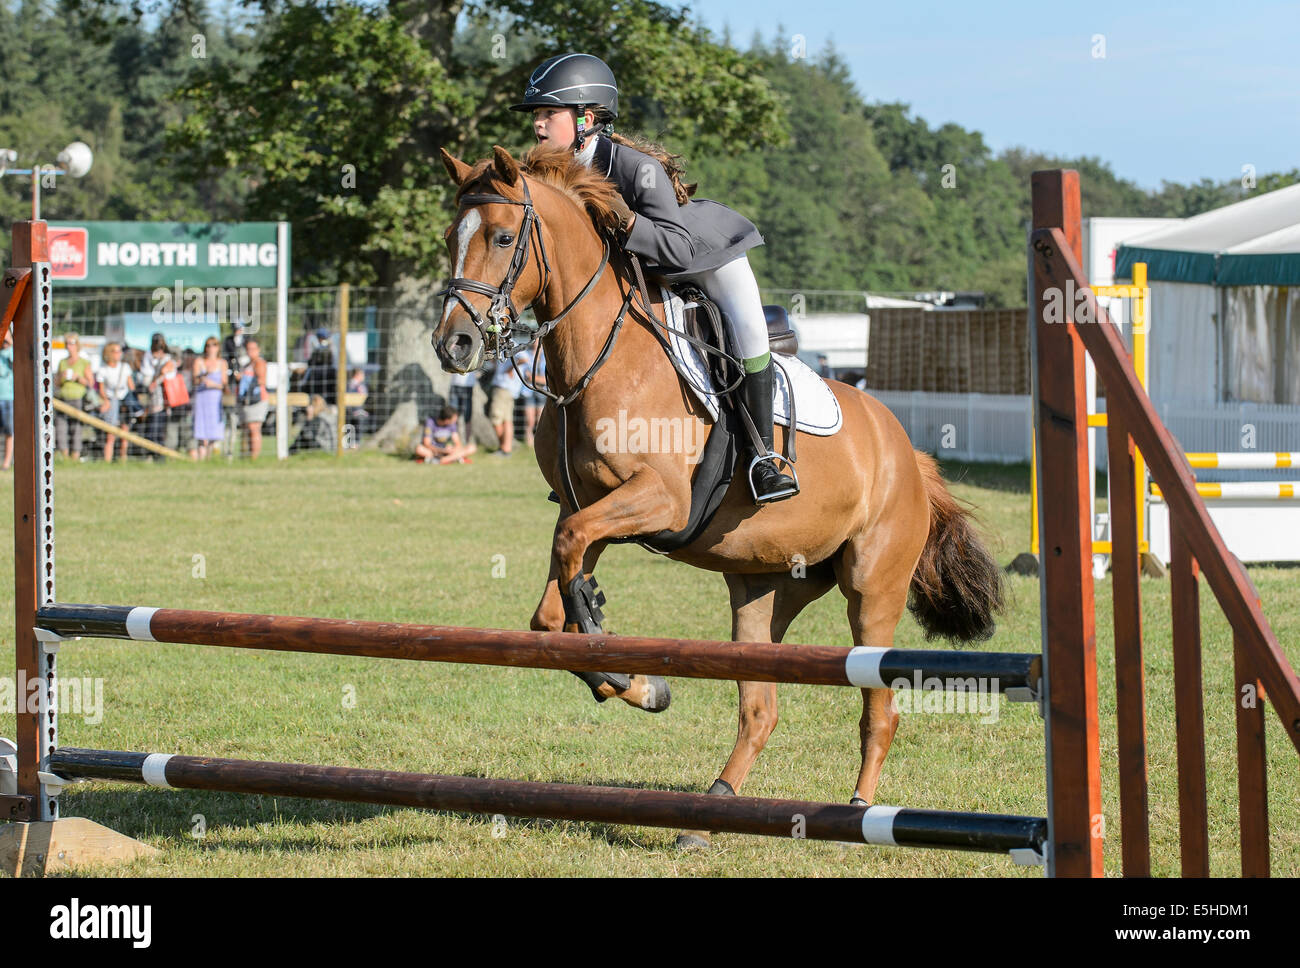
[(556, 166)]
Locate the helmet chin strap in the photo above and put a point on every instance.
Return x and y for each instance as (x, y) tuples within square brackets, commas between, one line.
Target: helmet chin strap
[(584, 132)]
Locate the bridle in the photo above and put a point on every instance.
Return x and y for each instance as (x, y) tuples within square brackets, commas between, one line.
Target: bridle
[(497, 331)]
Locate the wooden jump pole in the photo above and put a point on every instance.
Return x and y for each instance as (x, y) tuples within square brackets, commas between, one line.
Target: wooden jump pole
[(1065, 529), (64, 407), (800, 819), (27, 294), (341, 378), (689, 658)]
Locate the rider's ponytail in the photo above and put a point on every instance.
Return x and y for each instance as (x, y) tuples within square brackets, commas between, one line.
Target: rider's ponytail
[(673, 164)]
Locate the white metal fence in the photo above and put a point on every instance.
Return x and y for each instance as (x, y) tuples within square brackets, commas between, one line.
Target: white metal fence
[(964, 426), (998, 429)]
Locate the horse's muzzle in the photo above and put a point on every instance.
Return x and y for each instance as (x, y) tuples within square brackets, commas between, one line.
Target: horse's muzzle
[(458, 351)]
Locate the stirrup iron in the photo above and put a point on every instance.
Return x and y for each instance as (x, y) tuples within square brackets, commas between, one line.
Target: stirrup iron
[(788, 491)]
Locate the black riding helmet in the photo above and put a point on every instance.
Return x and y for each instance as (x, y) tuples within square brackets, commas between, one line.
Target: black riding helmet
[(571, 81)]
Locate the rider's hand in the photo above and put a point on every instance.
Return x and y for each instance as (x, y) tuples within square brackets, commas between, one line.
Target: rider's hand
[(625, 215)]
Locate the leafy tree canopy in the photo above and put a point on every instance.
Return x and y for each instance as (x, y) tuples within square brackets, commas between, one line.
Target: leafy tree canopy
[(329, 113)]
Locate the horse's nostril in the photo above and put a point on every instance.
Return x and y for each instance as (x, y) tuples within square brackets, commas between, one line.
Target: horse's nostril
[(459, 346)]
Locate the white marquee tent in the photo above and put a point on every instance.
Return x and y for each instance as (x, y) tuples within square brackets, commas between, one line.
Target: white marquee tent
[(1225, 302)]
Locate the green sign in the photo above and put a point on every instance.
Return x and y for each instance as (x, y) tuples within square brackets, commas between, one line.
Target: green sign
[(177, 255)]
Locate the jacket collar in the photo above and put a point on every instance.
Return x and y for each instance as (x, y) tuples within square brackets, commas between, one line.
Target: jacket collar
[(604, 158), (598, 154)]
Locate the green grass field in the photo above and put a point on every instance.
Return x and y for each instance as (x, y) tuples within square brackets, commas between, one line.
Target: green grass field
[(373, 537)]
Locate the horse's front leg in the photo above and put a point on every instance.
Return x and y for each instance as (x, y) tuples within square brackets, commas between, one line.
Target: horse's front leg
[(550, 616), (570, 601)]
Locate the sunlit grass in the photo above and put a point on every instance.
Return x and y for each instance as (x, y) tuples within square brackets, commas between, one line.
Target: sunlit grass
[(377, 538)]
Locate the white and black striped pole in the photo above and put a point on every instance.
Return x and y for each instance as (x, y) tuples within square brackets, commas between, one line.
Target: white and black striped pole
[(1020, 837), (1015, 674)]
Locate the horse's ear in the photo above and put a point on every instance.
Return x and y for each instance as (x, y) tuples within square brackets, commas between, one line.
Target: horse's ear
[(456, 168), (507, 167)]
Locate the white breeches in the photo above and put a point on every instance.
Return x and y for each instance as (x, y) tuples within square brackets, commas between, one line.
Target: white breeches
[(733, 288)]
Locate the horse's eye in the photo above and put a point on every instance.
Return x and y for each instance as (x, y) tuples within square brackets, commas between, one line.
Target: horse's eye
[(505, 240)]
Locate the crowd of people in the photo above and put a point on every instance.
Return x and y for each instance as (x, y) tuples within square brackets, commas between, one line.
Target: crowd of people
[(180, 400), (173, 398)]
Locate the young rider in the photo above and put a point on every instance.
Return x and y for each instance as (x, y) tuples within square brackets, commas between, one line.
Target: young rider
[(574, 101)]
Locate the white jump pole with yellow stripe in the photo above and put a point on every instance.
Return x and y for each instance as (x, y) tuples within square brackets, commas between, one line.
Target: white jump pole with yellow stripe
[(1263, 490), (1244, 461), (1259, 520)]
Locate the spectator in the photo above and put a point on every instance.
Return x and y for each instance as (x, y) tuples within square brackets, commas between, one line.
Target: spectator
[(116, 384), (253, 396), (319, 431), (72, 379), (234, 351), (823, 366), (7, 399), (208, 375), (358, 416), (441, 443), (321, 377), (178, 433), (134, 409), (534, 400), (506, 385), (311, 340), (154, 368)]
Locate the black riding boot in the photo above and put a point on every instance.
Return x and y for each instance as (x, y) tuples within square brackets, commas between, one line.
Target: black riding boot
[(769, 483)]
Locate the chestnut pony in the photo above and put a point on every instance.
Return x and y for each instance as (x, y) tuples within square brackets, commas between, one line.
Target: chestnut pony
[(873, 515)]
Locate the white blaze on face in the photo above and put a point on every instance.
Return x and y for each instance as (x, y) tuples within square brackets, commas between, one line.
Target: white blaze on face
[(464, 232)]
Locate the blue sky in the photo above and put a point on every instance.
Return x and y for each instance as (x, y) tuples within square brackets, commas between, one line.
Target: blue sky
[(1185, 91)]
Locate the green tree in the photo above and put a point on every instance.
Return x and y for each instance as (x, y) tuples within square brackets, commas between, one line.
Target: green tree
[(371, 197)]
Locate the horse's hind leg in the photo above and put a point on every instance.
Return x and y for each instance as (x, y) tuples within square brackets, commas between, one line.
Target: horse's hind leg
[(875, 577), (762, 608)]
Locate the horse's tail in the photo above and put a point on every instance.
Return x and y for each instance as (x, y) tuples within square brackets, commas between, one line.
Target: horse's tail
[(957, 587)]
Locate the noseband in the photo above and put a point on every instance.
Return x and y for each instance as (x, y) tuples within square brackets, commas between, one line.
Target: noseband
[(497, 331)]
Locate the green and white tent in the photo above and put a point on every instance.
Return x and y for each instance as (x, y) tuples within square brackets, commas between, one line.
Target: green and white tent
[(1225, 302)]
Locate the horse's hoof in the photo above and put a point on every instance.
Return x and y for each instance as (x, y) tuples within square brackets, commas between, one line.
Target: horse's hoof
[(858, 802), (693, 841), (657, 696), (650, 693)]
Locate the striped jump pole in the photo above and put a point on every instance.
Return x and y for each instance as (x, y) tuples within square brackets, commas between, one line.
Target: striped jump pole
[(1244, 461), (1017, 675), (1243, 490), (1021, 837)]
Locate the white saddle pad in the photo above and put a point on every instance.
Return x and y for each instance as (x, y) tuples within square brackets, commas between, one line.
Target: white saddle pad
[(816, 408)]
